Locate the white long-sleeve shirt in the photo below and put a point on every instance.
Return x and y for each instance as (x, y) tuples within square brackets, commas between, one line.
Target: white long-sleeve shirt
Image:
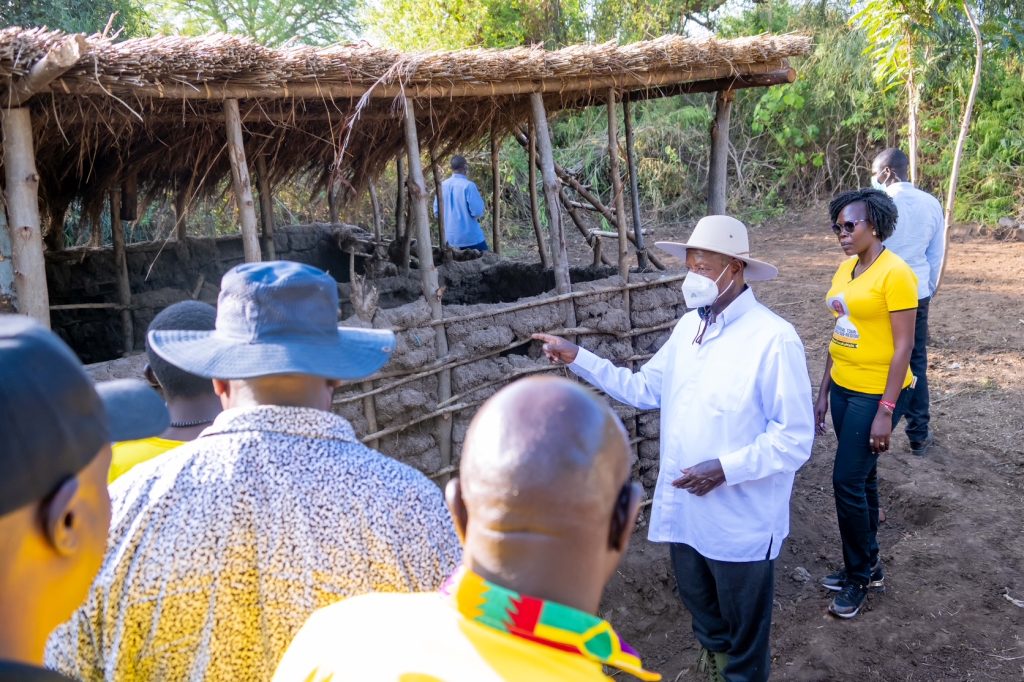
[(920, 235), (742, 396)]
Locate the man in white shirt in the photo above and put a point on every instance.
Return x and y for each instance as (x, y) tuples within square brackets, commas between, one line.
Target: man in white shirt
[(920, 240), (736, 423)]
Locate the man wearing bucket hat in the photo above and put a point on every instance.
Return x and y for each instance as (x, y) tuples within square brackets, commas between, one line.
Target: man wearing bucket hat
[(736, 424), (55, 434), (221, 549)]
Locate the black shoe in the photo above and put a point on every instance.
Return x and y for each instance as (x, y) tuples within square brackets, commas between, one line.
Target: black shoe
[(847, 603), (921, 447), (836, 581)]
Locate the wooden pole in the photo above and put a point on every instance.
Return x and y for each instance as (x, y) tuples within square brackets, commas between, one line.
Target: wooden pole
[(619, 200), (23, 215), (559, 255), (240, 182), (130, 198), (124, 289), (719, 164), (266, 207), (375, 205), (600, 257), (8, 295), (442, 238), (428, 273), (534, 204), (495, 195), (634, 184), (96, 232), (53, 64), (181, 214)]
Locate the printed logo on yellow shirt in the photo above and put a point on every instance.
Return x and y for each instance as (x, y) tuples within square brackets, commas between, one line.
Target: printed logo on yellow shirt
[(845, 333)]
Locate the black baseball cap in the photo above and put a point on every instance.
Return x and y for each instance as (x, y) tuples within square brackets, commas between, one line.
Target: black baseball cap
[(53, 419)]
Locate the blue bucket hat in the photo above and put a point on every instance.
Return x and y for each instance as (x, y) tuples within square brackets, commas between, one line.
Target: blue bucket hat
[(277, 317)]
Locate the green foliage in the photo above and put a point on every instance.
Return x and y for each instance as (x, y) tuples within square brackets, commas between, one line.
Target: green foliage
[(271, 22), (76, 16)]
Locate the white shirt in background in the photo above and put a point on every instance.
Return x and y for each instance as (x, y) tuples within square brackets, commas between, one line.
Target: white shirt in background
[(920, 235), (742, 396)]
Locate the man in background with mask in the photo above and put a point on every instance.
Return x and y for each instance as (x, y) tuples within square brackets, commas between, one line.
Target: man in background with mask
[(736, 423), (920, 240)]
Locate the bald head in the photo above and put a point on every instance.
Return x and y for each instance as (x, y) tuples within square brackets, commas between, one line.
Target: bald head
[(545, 479)]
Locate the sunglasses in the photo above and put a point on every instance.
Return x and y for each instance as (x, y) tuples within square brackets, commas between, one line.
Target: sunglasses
[(848, 227)]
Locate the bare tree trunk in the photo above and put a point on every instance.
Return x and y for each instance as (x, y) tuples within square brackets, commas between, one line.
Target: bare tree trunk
[(23, 215), (719, 165), (495, 196), (240, 182), (634, 184), (442, 239), (913, 101), (965, 126), (617, 198), (559, 255), (124, 289), (266, 207), (534, 203), (375, 205)]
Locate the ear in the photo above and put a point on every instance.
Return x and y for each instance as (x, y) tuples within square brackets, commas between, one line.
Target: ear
[(457, 507), (150, 376), (223, 390), (60, 522), (627, 508)]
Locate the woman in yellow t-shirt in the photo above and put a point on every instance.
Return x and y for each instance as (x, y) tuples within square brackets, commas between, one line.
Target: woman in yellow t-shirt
[(867, 377)]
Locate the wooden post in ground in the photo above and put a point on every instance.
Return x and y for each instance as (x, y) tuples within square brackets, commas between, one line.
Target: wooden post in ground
[(8, 297), (124, 289), (96, 232), (534, 204), (442, 238), (719, 163), (559, 255), (130, 198), (619, 200), (23, 215), (266, 207), (240, 182), (495, 195), (634, 184), (428, 273), (375, 205)]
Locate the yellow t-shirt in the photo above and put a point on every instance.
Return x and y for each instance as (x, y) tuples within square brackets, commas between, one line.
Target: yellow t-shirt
[(419, 638), (131, 452), (862, 342)]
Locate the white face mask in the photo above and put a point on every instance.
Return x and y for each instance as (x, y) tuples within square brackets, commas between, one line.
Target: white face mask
[(700, 291), (877, 184)]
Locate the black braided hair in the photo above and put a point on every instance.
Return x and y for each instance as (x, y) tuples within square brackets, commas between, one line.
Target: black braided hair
[(881, 210)]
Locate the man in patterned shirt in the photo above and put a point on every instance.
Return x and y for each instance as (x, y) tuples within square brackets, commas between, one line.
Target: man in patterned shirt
[(222, 548)]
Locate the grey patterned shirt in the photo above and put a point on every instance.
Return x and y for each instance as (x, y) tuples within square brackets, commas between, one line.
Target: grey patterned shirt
[(220, 549)]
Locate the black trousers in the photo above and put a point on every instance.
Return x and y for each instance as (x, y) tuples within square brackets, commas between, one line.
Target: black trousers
[(855, 476), (731, 605), (917, 407)]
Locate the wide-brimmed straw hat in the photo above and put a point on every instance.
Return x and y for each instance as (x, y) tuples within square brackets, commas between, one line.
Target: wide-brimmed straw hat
[(725, 235), (276, 318)]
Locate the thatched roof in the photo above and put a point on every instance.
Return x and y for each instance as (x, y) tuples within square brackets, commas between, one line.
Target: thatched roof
[(152, 107)]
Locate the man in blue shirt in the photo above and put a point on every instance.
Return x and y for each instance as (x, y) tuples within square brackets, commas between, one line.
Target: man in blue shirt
[(463, 208), (920, 240)]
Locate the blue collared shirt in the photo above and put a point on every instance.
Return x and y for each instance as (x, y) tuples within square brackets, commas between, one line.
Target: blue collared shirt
[(742, 396), (920, 236), (463, 208)]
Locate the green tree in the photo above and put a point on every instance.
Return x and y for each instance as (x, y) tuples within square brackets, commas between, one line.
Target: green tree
[(76, 16), (271, 22)]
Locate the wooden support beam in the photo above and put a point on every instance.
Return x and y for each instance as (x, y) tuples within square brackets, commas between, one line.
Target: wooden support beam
[(124, 289), (634, 183), (240, 182), (96, 232), (559, 255), (428, 273), (8, 295), (371, 187), (130, 197), (718, 166), (52, 65), (495, 194), (442, 238), (266, 207), (617, 198), (181, 214), (534, 203), (23, 215)]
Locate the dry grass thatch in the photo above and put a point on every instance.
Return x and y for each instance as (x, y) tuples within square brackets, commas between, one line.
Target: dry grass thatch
[(152, 107)]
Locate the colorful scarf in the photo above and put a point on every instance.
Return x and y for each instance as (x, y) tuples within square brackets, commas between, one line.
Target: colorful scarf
[(544, 622)]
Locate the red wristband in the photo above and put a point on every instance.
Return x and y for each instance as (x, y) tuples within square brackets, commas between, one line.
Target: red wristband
[(888, 405)]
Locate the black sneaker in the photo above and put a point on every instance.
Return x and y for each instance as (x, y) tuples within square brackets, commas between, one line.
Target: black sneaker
[(836, 581), (847, 603), (921, 447)]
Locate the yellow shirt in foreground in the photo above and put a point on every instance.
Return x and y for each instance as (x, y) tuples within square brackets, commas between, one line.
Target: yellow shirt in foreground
[(131, 452), (862, 343), (464, 636)]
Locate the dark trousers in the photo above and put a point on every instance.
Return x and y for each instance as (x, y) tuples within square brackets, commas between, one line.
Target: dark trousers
[(482, 246), (855, 476), (731, 605), (917, 407)]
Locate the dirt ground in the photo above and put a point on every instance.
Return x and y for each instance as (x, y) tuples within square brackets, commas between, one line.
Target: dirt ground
[(953, 541)]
